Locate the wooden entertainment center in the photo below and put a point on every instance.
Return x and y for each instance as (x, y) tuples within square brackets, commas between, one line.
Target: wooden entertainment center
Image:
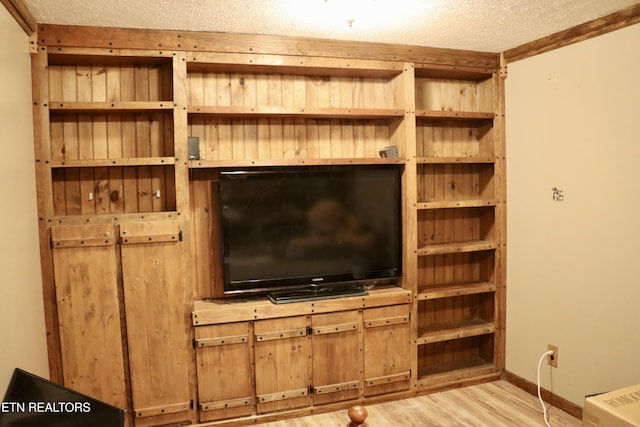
[(131, 263)]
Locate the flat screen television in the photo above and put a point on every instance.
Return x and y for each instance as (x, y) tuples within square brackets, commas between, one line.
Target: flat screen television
[(310, 232), (32, 401)]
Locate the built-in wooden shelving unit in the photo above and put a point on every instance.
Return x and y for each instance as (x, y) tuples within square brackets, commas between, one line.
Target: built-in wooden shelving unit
[(128, 219)]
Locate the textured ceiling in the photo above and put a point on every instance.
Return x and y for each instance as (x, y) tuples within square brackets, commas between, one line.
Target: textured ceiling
[(481, 25)]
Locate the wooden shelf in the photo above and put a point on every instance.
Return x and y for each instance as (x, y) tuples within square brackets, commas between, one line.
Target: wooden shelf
[(466, 329), (455, 160), (302, 112), (448, 73), (196, 164), (96, 163), (290, 65), (109, 107), (454, 371), (455, 289), (446, 204), (454, 115), (456, 247)]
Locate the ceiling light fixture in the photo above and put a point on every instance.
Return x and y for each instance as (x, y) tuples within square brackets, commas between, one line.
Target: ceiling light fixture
[(360, 15)]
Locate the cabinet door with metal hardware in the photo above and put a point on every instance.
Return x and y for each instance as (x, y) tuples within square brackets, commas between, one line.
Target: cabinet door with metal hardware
[(283, 363), (387, 363), (223, 357), (337, 356)]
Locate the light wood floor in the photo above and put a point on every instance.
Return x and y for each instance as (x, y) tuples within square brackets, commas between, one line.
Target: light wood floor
[(493, 404)]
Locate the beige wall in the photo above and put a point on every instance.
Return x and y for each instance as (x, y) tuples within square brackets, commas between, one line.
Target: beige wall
[(573, 266), (22, 332)]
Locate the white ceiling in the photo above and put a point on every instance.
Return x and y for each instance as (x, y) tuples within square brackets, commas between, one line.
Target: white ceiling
[(481, 25)]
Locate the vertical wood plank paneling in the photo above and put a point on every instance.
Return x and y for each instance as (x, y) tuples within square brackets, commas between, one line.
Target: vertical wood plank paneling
[(250, 97), (211, 87), (204, 234), (195, 88), (127, 77), (311, 91), (58, 195), (288, 139), (116, 190), (56, 135), (72, 192), (334, 92), (276, 136), (314, 144), (274, 88), (302, 132), (299, 88), (99, 121), (87, 191), (225, 139), (322, 87), (324, 139), (335, 144), (238, 141), (70, 149), (101, 191), (143, 189)]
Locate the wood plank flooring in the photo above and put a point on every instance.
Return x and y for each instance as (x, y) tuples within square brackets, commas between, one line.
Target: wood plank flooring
[(496, 404)]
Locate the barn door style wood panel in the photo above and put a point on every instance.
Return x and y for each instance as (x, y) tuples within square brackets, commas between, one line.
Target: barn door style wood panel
[(156, 315), (387, 364), (225, 371), (283, 363), (86, 279), (337, 356)]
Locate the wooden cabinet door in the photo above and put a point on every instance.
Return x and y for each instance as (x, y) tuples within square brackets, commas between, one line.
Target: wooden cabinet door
[(282, 363), (387, 361), (223, 358), (337, 356), (157, 322), (88, 308)]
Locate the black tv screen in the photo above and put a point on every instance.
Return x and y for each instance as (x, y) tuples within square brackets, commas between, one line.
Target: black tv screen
[(309, 227), (32, 401)]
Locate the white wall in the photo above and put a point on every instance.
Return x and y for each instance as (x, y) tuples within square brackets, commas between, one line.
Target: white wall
[(22, 330), (573, 266)]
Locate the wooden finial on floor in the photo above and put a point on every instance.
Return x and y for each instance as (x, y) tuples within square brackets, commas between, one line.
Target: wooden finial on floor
[(357, 415)]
